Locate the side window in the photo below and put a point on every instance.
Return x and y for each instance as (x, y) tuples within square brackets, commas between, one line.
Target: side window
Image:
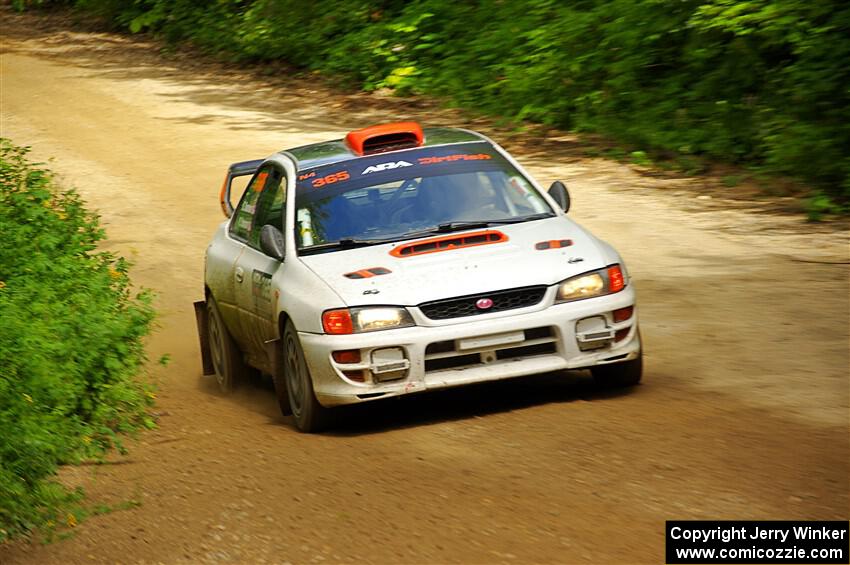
[(271, 205), (243, 218)]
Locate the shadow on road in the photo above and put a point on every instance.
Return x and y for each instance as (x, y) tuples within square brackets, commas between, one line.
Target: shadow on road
[(473, 401), (423, 409)]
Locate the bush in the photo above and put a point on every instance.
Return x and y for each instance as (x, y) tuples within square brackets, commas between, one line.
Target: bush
[(70, 343)]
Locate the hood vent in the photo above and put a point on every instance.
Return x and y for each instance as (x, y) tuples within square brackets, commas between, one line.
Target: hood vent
[(553, 244), (367, 273), (423, 246)]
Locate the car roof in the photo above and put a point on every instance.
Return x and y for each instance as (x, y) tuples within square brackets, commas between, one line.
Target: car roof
[(326, 152)]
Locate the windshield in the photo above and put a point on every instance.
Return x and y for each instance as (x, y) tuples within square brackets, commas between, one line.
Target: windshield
[(411, 194)]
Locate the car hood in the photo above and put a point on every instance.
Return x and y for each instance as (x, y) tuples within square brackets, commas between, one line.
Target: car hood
[(463, 270)]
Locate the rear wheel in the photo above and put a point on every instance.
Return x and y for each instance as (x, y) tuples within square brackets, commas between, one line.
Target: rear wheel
[(230, 368), (618, 375), (309, 415)]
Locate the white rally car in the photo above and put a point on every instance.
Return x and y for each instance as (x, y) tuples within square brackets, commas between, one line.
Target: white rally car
[(400, 260)]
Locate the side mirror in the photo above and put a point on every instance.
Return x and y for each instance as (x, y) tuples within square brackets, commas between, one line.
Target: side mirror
[(272, 242), (559, 192)]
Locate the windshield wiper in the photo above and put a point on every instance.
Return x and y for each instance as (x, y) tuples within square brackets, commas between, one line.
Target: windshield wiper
[(521, 219), (449, 227), (345, 243)]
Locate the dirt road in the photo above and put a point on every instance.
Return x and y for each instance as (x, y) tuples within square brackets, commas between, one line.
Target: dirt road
[(743, 414)]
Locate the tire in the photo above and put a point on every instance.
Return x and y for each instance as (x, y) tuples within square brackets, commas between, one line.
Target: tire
[(308, 414), (230, 368), (619, 375), (280, 387)]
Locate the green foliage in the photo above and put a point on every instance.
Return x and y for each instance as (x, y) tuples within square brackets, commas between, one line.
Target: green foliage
[(641, 158), (820, 204), (21, 5), (731, 181), (70, 344), (755, 82)]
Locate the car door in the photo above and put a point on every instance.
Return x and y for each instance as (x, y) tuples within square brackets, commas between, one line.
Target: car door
[(222, 274), (256, 301)]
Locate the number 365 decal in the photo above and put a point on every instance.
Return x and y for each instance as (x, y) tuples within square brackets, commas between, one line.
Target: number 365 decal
[(330, 179)]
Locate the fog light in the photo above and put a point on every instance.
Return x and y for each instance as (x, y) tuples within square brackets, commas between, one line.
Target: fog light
[(348, 356), (389, 364), (621, 334), (623, 314), (593, 333)]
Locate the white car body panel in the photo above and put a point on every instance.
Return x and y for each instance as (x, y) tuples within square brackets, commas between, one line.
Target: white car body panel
[(464, 271)]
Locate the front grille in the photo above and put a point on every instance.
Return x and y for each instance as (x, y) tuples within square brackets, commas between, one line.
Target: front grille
[(465, 305), (443, 355)]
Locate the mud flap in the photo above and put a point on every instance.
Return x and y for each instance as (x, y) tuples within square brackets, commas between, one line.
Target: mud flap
[(203, 337), (274, 351)]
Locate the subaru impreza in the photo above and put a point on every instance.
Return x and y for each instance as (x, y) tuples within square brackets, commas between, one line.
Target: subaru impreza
[(400, 260)]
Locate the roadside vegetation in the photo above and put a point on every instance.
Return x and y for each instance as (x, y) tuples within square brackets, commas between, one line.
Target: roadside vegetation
[(761, 84), (71, 345)]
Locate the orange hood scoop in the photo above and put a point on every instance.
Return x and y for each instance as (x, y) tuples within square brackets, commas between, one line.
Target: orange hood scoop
[(448, 243)]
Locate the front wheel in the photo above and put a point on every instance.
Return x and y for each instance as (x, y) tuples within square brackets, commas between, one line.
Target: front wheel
[(230, 368), (619, 375), (309, 415)]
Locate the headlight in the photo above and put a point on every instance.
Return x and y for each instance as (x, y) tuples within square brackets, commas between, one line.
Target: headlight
[(365, 319), (597, 283)]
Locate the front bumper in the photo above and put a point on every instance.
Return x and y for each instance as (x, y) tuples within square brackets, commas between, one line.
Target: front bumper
[(526, 341)]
